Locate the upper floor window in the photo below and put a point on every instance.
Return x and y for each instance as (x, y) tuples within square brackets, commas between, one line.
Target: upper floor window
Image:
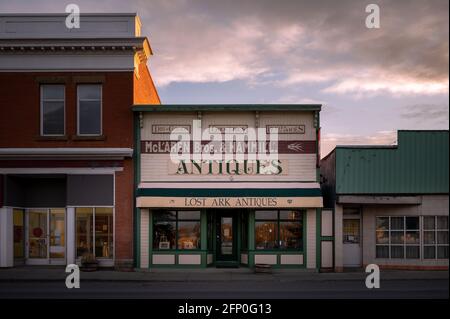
[(89, 109), (52, 109)]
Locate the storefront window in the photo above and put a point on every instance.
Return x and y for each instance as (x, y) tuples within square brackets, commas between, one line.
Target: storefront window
[(18, 218), (84, 231), (400, 237), (104, 232), (176, 230), (279, 230), (435, 237), (96, 240)]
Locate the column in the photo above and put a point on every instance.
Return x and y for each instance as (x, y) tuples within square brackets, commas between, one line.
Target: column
[(311, 223), (251, 238), (338, 247), (71, 229), (144, 249), (6, 237)]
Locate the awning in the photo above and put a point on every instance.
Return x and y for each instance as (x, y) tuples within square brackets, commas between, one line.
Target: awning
[(229, 195)]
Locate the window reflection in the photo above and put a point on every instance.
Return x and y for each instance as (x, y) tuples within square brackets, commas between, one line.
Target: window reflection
[(176, 229), (97, 239), (279, 229)]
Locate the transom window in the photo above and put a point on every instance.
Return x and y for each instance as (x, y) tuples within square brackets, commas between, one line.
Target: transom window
[(52, 110), (279, 229), (176, 229), (89, 109)]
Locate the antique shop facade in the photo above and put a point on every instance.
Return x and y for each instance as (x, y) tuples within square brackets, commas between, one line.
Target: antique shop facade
[(229, 211)]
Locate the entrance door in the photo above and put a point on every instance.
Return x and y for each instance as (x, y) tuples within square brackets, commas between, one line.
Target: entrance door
[(352, 242), (226, 250), (46, 242)]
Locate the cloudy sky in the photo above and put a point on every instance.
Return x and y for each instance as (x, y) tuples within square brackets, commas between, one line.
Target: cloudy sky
[(371, 82)]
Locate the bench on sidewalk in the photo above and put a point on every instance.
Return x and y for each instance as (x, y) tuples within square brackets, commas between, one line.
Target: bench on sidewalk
[(263, 268)]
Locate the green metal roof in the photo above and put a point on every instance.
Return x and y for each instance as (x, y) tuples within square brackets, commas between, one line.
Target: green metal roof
[(417, 165), (224, 107)]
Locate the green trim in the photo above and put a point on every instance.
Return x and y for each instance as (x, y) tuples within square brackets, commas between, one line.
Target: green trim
[(318, 238), (305, 237), (225, 107), (179, 252), (138, 243), (251, 237), (229, 192), (137, 176), (204, 236), (150, 237)]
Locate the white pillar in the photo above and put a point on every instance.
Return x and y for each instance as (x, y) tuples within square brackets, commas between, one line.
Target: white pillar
[(6, 237), (71, 247), (144, 238), (311, 238), (338, 246)]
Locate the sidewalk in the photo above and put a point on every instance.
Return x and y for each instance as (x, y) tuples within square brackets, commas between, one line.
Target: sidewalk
[(209, 274)]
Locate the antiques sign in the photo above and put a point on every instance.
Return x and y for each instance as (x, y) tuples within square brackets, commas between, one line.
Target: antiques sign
[(229, 202), (286, 129)]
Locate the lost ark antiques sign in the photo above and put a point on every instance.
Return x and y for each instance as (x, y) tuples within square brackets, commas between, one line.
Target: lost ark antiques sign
[(229, 202)]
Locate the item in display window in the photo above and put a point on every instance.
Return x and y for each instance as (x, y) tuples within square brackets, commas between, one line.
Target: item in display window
[(188, 245), (163, 242)]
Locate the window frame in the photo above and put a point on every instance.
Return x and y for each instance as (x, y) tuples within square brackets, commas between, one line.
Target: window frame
[(91, 100), (94, 208), (435, 230), (41, 108), (421, 231), (278, 221), (176, 220)]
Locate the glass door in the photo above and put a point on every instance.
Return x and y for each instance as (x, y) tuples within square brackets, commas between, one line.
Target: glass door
[(46, 236), (226, 237), (37, 222)]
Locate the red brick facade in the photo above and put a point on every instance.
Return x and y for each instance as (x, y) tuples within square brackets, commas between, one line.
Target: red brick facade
[(20, 127)]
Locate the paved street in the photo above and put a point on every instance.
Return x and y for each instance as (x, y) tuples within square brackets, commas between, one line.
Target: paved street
[(233, 290), (215, 283)]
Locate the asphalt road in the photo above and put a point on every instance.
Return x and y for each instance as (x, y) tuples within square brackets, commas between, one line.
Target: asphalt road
[(411, 288)]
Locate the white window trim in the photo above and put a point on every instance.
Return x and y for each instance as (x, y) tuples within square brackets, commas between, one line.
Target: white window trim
[(404, 245), (93, 230), (41, 97), (101, 109), (436, 244), (421, 244)]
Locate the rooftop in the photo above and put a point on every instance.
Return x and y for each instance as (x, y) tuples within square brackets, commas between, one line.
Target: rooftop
[(225, 107), (418, 164)]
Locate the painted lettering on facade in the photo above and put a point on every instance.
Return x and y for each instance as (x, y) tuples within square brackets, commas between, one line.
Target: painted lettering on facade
[(230, 202), (233, 167), (285, 129)]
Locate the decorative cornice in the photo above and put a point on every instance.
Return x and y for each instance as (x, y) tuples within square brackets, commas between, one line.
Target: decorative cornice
[(138, 45)]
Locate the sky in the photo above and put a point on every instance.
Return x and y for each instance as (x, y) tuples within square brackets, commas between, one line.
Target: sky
[(370, 82)]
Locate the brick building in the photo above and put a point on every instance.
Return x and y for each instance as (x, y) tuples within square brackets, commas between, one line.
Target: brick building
[(66, 136)]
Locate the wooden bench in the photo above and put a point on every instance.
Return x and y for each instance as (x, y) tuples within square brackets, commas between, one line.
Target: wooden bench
[(263, 268)]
